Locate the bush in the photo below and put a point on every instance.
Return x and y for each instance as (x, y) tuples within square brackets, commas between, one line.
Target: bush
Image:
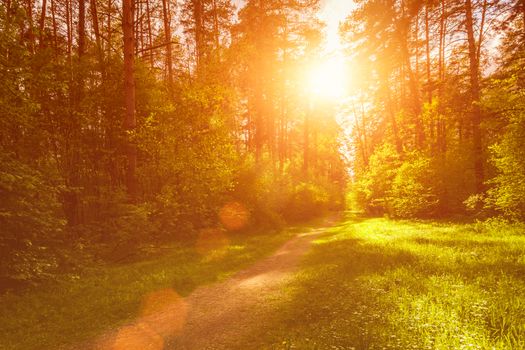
[(508, 193), (307, 200), (262, 192), (30, 218), (412, 192), (371, 190)]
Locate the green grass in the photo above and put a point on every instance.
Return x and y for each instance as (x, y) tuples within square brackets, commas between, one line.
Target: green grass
[(81, 307), (382, 284)]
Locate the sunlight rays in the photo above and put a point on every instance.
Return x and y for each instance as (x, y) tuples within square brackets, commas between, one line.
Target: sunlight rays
[(329, 78)]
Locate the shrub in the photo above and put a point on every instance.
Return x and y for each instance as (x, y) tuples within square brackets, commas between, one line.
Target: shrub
[(30, 217), (412, 192), (307, 200), (371, 190)]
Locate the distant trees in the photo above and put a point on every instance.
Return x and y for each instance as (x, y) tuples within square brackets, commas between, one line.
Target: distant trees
[(438, 50)]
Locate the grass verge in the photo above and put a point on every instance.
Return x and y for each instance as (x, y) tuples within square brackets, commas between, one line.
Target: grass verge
[(383, 284), (81, 307)]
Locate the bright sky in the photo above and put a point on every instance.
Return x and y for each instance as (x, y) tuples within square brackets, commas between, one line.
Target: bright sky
[(332, 12)]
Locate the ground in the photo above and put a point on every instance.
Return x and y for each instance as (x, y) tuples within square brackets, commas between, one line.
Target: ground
[(353, 284), (217, 316)]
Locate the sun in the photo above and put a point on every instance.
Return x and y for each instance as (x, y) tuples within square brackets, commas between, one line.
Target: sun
[(328, 78)]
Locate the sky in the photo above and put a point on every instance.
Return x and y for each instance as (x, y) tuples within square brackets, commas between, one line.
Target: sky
[(332, 12)]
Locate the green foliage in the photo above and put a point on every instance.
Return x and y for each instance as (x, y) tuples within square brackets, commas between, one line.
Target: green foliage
[(508, 155), (412, 189), (116, 221), (262, 192), (30, 217), (306, 200), (371, 190), (191, 159)]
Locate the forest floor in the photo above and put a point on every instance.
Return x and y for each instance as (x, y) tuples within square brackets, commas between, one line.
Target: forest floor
[(217, 316), (356, 283), (76, 308)]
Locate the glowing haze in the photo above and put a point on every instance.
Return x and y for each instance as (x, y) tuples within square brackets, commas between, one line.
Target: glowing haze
[(332, 12)]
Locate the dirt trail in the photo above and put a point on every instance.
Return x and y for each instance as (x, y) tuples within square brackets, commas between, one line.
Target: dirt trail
[(215, 316)]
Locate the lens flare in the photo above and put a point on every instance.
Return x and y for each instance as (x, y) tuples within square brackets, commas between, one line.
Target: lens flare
[(234, 216)]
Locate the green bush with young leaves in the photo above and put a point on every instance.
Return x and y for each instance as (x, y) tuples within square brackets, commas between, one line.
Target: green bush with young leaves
[(507, 192), (371, 190), (30, 218), (412, 194), (307, 200)]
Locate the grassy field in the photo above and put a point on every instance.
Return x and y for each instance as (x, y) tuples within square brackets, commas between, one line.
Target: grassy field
[(80, 307), (382, 284)]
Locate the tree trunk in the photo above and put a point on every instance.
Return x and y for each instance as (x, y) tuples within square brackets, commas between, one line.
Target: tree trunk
[(167, 39), (198, 18), (150, 35), (306, 140), (42, 23), (475, 98), (55, 34), (96, 29), (81, 28), (129, 94), (427, 52)]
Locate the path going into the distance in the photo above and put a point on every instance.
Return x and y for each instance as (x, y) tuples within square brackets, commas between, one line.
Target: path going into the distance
[(219, 315)]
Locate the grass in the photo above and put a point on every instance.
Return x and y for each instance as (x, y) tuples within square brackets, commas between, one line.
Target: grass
[(366, 284), (81, 307), (382, 284)]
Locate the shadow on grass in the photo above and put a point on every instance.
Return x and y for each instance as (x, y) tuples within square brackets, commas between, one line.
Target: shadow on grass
[(403, 293), (81, 307)]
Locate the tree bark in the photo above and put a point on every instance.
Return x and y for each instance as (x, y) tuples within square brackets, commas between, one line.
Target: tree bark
[(81, 28), (475, 98), (42, 24), (167, 39), (129, 94), (198, 18)]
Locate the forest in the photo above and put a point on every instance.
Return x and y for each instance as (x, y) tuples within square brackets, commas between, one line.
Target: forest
[(129, 128), (126, 123)]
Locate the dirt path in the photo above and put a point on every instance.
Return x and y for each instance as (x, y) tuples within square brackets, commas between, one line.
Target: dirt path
[(221, 314), (215, 316)]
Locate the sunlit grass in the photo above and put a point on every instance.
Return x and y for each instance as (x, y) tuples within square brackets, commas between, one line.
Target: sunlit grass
[(78, 308), (382, 284)]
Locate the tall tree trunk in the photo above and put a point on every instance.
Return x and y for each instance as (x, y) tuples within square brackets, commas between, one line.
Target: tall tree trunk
[(475, 98), (31, 29), (55, 29), (109, 29), (81, 28), (306, 140), (414, 92), (96, 30), (427, 54), (69, 30), (167, 39), (129, 93), (199, 45), (150, 35), (42, 24), (216, 34)]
